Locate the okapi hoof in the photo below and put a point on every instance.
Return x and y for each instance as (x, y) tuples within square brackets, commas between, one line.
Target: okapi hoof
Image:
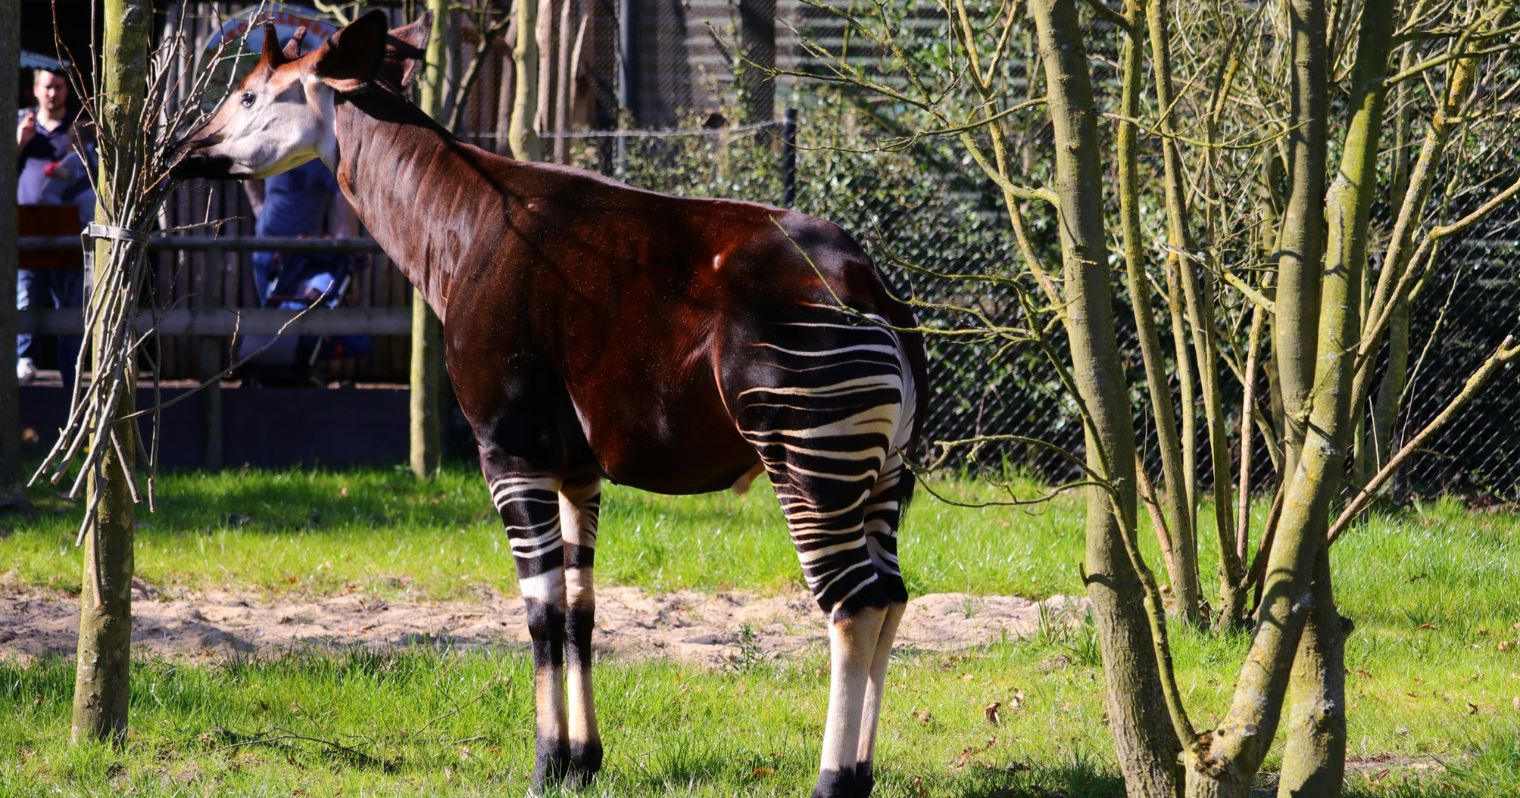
[(865, 780), (551, 763), (585, 762), (836, 784)]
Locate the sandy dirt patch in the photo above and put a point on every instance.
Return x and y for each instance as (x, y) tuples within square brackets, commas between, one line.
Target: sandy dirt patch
[(707, 628)]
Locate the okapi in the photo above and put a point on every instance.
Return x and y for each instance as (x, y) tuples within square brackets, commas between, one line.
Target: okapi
[(596, 331)]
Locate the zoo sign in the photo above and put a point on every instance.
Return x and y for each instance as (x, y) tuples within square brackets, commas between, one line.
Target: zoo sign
[(248, 26)]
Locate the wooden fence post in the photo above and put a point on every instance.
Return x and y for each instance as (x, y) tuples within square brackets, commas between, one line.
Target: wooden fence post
[(10, 421)]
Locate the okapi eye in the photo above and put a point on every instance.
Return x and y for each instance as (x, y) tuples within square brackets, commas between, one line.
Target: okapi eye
[(247, 99)]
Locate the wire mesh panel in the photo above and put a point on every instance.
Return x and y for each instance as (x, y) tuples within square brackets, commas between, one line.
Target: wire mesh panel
[(677, 76), (1468, 306)]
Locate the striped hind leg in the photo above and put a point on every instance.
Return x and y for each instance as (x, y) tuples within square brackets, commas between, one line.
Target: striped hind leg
[(530, 511), (825, 523), (821, 402), (579, 505), (882, 514)]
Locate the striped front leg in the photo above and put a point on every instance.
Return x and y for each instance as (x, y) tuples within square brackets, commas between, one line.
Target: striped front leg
[(579, 504), (529, 506)]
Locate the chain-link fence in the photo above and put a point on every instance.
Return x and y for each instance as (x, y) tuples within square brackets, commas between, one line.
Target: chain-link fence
[(939, 231), (938, 228), (1468, 306)]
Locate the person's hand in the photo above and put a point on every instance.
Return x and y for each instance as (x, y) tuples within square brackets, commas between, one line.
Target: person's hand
[(26, 130)]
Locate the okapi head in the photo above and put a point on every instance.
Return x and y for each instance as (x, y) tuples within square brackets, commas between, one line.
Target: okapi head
[(282, 113)]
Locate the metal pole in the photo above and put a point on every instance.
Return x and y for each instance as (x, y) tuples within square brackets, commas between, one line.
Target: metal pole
[(789, 158), (627, 76), (209, 360)]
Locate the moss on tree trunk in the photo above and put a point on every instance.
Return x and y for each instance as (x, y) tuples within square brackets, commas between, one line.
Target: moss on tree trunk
[(426, 377), (1137, 711), (101, 682)]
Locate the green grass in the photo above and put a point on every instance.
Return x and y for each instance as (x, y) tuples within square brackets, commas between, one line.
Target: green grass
[(382, 531), (427, 722), (1433, 590)]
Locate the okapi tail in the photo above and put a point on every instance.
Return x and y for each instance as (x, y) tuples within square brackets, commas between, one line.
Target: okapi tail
[(910, 424)]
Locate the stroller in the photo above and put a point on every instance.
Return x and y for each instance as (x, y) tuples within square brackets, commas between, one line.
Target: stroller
[(298, 280)]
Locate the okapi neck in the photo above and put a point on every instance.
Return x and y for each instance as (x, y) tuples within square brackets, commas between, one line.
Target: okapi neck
[(415, 187)]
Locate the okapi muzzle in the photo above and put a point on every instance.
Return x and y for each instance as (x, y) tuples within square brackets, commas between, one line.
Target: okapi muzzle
[(596, 331), (193, 159)]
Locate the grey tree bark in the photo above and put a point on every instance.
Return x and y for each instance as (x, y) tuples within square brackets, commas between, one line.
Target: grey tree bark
[(523, 134), (757, 46), (104, 655), (1137, 710), (1314, 762), (425, 405)]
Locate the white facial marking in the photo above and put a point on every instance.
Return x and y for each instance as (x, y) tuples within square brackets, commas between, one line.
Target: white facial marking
[(288, 123)]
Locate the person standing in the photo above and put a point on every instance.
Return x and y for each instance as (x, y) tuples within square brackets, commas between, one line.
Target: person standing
[(294, 204), (50, 171)]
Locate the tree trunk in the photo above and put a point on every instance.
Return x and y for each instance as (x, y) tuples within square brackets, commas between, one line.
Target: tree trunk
[(1385, 411), (426, 378), (1233, 753), (1314, 762), (102, 675), (523, 134), (1182, 565), (1301, 241), (563, 84), (757, 49), (1198, 297), (1401, 246), (504, 94), (1316, 755), (545, 39), (1137, 710), (10, 422)]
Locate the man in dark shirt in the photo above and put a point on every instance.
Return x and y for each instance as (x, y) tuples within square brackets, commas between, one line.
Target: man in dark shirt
[(49, 171), (294, 204)]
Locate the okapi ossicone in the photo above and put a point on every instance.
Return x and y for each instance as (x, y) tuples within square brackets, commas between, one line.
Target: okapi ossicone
[(596, 331)]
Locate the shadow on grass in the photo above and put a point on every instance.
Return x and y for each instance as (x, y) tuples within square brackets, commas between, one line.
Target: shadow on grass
[(283, 502)]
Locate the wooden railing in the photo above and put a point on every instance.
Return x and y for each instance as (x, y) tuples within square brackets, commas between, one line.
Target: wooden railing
[(208, 318)]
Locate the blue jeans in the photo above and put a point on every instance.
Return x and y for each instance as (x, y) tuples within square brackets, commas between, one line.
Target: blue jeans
[(47, 288), (263, 267)]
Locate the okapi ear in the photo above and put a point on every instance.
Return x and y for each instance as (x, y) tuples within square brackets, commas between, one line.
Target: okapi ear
[(293, 47), (272, 57), (352, 57), (406, 49)]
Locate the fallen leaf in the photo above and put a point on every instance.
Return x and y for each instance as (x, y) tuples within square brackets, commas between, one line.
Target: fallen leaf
[(969, 752), (761, 773), (991, 711), (1472, 709), (966, 677), (1506, 645), (924, 716)]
